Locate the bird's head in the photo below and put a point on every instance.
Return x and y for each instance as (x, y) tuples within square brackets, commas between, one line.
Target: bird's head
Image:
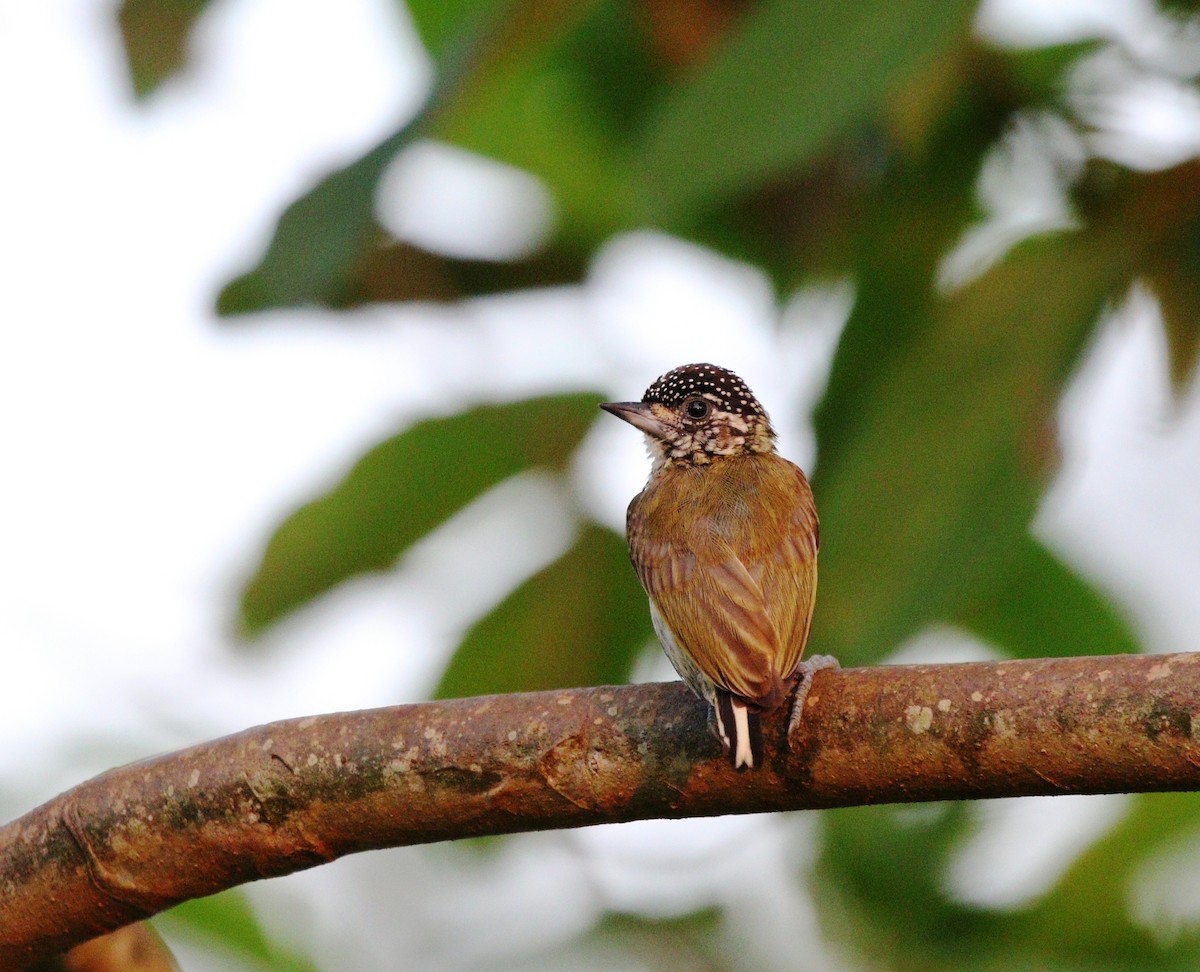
[(696, 412)]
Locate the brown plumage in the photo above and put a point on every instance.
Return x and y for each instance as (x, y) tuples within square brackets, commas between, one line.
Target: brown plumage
[(724, 539)]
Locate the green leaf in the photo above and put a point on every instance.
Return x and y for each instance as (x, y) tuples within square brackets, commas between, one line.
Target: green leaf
[(227, 916), (562, 112), (927, 203), (912, 217), (383, 270), (1041, 71), (880, 877), (155, 34), (949, 461), (651, 941), (542, 123), (326, 241), (403, 488), (881, 886), (445, 24), (1086, 916), (226, 922), (934, 472), (493, 94), (790, 77), (400, 271), (1176, 283), (320, 241), (1034, 606), (581, 621), (1179, 299)]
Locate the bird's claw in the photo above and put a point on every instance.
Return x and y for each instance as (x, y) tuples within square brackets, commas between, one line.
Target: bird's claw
[(804, 677)]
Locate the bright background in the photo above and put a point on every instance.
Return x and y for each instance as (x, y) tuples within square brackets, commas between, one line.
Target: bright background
[(152, 449)]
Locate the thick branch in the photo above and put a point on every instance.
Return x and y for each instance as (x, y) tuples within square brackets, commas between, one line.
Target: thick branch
[(293, 794)]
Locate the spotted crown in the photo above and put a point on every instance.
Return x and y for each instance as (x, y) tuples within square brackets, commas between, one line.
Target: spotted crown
[(719, 385)]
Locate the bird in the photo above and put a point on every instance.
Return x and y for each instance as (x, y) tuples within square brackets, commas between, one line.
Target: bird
[(724, 539)]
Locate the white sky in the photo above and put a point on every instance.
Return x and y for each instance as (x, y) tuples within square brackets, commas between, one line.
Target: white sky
[(152, 450)]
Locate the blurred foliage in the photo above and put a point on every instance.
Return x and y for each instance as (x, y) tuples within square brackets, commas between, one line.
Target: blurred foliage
[(227, 924), (882, 870), (786, 82), (155, 34), (402, 489), (586, 614), (689, 942), (815, 141)]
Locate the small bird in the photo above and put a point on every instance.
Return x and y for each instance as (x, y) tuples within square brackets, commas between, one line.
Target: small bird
[(724, 539)]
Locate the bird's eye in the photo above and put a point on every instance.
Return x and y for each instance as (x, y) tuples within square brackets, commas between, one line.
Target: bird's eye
[(697, 408)]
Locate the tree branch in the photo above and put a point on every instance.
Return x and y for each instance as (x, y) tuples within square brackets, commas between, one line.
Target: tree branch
[(294, 794)]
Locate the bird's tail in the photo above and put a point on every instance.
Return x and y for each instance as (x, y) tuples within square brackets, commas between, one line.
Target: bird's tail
[(741, 732)]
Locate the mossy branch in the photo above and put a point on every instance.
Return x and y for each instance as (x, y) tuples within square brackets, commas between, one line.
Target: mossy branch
[(294, 794)]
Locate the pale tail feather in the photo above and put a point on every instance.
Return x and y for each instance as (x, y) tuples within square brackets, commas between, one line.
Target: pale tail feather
[(740, 731), (743, 754)]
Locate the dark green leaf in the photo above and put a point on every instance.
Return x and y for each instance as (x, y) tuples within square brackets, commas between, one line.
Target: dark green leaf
[(1176, 283), (542, 107), (1181, 9), (320, 241), (788, 79), (498, 98), (945, 471), (445, 24), (1034, 606), (881, 884), (401, 490), (581, 621), (938, 464), (1041, 71), (911, 219), (1099, 883), (881, 874), (155, 33), (387, 270)]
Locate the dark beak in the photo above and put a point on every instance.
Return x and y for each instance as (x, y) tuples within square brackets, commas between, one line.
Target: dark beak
[(639, 415)]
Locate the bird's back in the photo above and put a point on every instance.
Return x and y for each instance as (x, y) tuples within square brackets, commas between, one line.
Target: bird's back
[(728, 553)]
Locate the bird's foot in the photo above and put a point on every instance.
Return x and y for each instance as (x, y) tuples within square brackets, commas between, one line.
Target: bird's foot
[(804, 677), (715, 727)]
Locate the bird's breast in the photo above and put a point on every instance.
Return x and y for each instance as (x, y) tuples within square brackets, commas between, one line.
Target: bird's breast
[(722, 500)]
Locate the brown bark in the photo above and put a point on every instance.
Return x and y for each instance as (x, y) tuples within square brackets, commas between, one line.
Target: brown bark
[(294, 794)]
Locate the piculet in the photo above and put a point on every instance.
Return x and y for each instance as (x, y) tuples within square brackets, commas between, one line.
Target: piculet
[(724, 539)]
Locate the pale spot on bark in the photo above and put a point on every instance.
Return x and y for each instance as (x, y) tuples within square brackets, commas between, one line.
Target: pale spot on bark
[(919, 718), (1158, 671), (1002, 723)]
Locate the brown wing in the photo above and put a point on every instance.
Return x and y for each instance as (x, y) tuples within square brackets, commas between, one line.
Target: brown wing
[(728, 553), (789, 567)]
